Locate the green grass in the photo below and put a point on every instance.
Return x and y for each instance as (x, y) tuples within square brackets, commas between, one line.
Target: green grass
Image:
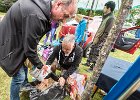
[(2, 14), (126, 56), (4, 85), (5, 80)]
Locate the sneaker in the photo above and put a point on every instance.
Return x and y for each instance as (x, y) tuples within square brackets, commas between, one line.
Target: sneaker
[(92, 65), (113, 50), (89, 70), (34, 83), (86, 64), (27, 87)]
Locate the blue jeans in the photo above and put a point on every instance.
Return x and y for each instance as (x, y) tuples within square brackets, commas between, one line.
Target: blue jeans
[(19, 79)]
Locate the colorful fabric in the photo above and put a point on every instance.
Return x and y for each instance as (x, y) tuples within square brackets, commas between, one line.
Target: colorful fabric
[(46, 53), (80, 29), (77, 83), (54, 25)]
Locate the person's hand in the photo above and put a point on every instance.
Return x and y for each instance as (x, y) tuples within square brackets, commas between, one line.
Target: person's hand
[(61, 81), (43, 85), (69, 80), (44, 69)]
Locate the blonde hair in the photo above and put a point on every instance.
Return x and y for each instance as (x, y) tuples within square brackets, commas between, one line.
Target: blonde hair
[(78, 17)]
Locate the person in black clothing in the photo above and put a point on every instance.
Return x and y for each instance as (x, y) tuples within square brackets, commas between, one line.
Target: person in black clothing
[(66, 57), (25, 23)]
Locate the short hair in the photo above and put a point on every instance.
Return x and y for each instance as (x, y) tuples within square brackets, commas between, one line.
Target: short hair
[(69, 38), (66, 2), (111, 5)]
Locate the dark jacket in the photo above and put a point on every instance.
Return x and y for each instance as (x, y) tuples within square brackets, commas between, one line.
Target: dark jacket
[(69, 63), (104, 29), (20, 32)]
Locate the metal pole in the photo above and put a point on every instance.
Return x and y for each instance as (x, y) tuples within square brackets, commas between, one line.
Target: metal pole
[(118, 4), (87, 3), (90, 12), (96, 6)]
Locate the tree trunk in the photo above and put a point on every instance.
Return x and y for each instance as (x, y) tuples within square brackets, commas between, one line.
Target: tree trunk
[(122, 14)]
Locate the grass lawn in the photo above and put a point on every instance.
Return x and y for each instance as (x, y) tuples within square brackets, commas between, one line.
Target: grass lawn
[(5, 80), (4, 85), (125, 56), (2, 14)]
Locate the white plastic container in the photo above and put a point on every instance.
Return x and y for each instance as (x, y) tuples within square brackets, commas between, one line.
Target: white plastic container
[(40, 74)]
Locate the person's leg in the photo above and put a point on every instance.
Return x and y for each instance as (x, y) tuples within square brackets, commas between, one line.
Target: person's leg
[(17, 80), (91, 55), (26, 75), (95, 53)]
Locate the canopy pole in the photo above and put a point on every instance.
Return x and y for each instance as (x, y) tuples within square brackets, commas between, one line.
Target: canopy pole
[(90, 12)]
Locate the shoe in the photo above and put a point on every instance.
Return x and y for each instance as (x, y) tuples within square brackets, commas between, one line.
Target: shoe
[(34, 83), (113, 50), (27, 87), (92, 65), (86, 64), (89, 70)]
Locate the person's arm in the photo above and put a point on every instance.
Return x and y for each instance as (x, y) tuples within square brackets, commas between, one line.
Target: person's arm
[(33, 29), (75, 64), (53, 55)]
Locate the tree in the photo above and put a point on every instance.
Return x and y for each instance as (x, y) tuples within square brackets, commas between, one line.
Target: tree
[(134, 15), (6, 4), (122, 14)]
